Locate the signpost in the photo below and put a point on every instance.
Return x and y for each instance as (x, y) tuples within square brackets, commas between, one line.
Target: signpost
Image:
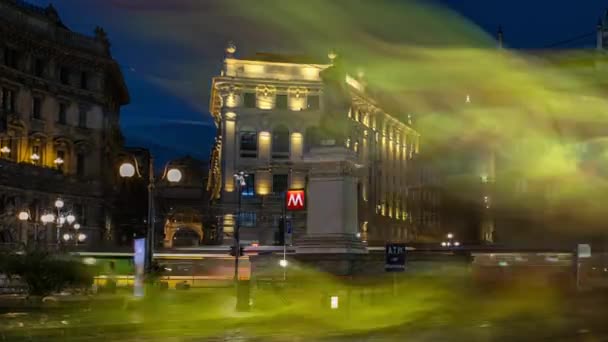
[(139, 258), (583, 251), (288, 232), (395, 257), (395, 261)]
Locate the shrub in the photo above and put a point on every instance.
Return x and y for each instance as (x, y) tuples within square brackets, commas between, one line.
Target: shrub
[(44, 273)]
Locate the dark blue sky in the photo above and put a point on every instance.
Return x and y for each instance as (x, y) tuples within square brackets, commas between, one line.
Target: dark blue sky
[(172, 126)]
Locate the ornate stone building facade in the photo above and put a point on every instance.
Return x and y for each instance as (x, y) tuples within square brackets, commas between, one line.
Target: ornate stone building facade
[(271, 110), (184, 205), (59, 111)]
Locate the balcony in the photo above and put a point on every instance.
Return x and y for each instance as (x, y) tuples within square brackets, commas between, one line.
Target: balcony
[(32, 177)]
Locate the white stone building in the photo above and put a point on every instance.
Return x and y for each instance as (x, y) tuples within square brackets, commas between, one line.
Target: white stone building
[(270, 111)]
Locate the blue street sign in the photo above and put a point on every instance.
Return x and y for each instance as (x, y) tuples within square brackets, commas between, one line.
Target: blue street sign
[(395, 257)]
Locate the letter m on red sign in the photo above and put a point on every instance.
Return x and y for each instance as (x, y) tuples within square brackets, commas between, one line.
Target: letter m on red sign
[(295, 200)]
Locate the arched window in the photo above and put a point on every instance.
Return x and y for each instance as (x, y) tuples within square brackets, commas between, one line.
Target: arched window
[(280, 143), (311, 138)]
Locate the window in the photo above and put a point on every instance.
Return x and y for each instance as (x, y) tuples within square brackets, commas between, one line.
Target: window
[(8, 100), (10, 57), (280, 143), (80, 164), (82, 118), (36, 156), (247, 219), (249, 100), (39, 66), (249, 189), (37, 108), (11, 144), (281, 102), (61, 117), (84, 80), (64, 75), (249, 145), (60, 159), (279, 183), (313, 102)]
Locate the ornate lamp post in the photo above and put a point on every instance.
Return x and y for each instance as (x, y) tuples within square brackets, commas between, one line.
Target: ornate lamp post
[(129, 169), (240, 183)]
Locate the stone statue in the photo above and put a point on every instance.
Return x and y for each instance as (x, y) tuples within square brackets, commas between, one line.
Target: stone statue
[(336, 103)]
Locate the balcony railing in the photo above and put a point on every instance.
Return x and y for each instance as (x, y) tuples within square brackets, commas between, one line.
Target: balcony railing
[(29, 176)]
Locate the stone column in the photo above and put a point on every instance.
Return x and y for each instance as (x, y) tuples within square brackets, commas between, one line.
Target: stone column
[(332, 223)]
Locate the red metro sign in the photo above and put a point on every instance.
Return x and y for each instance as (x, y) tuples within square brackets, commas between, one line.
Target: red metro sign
[(295, 200)]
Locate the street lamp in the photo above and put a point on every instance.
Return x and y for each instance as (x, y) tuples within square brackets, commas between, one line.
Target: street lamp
[(70, 218), (240, 182), (174, 175), (76, 226), (47, 218), (126, 170), (129, 169), (66, 237), (81, 237), (24, 216), (59, 203)]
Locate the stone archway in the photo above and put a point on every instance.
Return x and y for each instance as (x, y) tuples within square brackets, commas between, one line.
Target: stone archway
[(172, 228)]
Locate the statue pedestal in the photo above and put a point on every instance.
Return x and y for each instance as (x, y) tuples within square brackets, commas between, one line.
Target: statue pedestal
[(331, 224)]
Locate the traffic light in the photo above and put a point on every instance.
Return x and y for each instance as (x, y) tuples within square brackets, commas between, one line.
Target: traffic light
[(241, 251)]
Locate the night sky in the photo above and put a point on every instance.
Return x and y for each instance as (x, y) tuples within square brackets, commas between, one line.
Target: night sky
[(171, 124)]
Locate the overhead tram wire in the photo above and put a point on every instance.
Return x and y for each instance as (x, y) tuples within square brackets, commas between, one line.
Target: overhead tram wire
[(570, 40)]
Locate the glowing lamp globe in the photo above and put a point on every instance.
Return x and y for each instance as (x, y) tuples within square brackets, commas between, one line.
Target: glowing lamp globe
[(126, 170), (174, 175), (77, 226), (283, 263), (82, 237), (66, 236), (59, 203), (24, 216), (70, 218)]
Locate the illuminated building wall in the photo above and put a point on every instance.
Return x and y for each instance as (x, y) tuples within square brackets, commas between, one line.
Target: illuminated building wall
[(60, 98), (277, 103)]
